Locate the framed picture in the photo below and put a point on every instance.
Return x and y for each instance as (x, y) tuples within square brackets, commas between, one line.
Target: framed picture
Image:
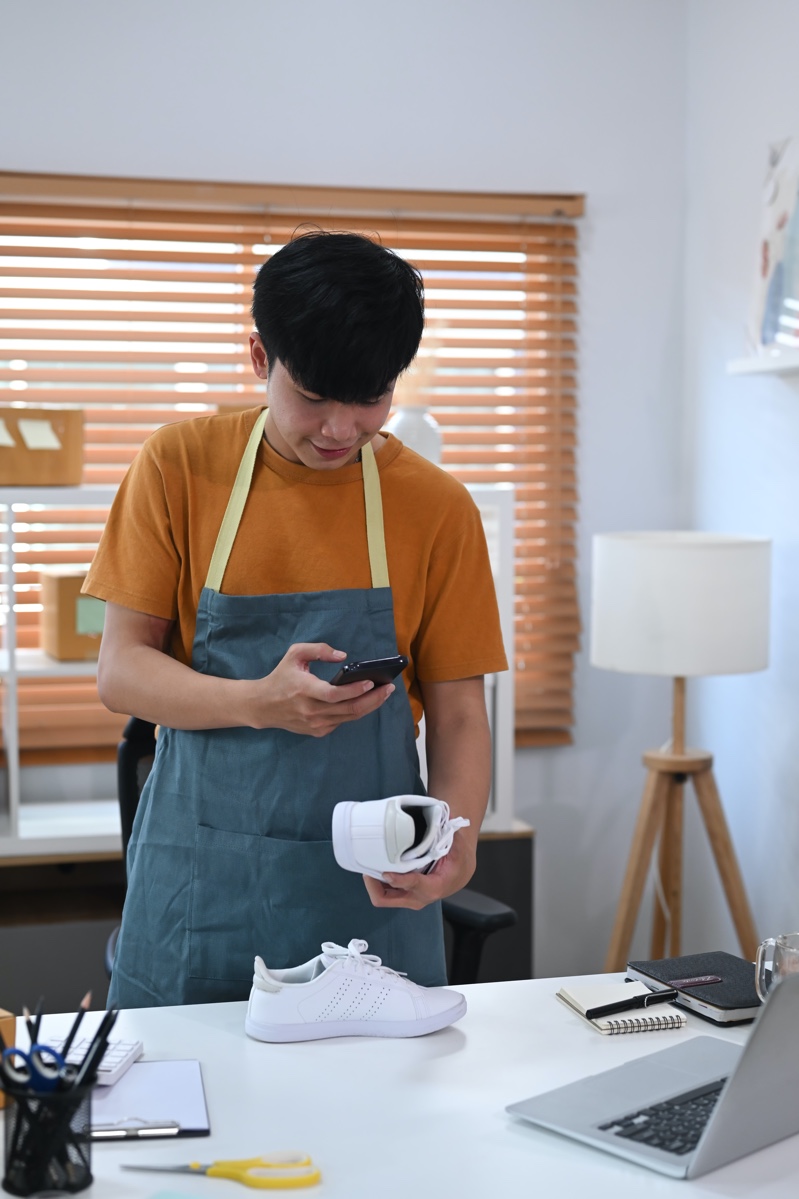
[(774, 317)]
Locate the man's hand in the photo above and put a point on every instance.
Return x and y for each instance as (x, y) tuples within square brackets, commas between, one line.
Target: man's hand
[(293, 698), (458, 744), (416, 890), (137, 675)]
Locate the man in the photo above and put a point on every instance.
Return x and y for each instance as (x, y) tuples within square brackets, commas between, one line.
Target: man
[(246, 556)]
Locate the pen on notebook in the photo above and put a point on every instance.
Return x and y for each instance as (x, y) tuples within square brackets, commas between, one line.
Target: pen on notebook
[(629, 1005), (84, 1004)]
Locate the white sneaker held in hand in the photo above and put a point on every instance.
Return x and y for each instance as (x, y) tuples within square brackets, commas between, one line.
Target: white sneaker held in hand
[(398, 834), (345, 993)]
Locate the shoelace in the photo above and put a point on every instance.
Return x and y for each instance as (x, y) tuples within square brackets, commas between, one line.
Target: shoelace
[(357, 951), (449, 827)]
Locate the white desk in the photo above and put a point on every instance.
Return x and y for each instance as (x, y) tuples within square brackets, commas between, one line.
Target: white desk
[(419, 1118)]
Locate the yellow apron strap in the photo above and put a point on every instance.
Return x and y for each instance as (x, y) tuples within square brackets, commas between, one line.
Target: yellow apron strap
[(375, 533), (235, 507)]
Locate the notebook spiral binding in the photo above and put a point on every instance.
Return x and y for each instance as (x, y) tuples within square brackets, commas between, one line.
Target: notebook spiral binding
[(648, 1023)]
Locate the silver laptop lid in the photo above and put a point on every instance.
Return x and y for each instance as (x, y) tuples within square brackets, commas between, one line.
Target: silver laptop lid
[(760, 1103)]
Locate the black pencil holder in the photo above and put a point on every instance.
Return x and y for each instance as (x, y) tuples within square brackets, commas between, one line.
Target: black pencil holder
[(47, 1141)]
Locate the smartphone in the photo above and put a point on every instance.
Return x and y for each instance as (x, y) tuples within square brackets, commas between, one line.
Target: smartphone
[(379, 670)]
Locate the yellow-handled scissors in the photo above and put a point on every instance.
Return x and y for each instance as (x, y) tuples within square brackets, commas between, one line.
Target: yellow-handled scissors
[(279, 1171)]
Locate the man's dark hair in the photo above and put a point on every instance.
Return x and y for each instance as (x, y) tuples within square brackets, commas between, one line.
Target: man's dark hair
[(343, 314)]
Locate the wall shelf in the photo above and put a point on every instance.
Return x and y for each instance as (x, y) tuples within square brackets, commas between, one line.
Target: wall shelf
[(64, 830), (777, 362), (35, 664), (33, 831)]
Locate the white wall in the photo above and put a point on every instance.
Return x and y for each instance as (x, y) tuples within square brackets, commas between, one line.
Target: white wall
[(517, 95), (743, 434)]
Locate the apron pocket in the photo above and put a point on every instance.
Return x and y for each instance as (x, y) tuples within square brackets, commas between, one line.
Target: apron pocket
[(277, 898)]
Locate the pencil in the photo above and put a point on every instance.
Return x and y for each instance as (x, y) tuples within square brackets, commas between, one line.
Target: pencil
[(83, 1007), (97, 1048), (38, 1016), (26, 1016)]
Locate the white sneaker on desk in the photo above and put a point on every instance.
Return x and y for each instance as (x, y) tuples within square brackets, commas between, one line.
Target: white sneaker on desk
[(345, 993), (399, 834)]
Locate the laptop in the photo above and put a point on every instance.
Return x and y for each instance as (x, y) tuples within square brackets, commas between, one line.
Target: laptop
[(693, 1107)]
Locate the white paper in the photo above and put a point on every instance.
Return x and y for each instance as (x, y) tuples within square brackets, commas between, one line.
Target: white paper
[(153, 1093), (591, 995), (39, 435), (5, 435)]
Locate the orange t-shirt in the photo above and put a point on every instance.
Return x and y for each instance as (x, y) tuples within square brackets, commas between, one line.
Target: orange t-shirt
[(302, 530)]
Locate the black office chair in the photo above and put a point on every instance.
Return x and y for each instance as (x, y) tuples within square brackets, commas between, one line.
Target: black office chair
[(135, 756), (471, 916)]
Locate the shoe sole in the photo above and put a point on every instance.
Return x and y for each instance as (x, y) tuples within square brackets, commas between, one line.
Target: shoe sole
[(354, 1028), (342, 843)]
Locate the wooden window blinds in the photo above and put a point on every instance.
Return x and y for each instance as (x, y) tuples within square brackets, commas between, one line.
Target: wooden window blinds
[(130, 299)]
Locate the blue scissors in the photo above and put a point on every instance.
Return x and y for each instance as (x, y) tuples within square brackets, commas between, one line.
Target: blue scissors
[(39, 1068)]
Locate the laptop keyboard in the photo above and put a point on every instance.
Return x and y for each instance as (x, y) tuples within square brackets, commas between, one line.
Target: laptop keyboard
[(675, 1125)]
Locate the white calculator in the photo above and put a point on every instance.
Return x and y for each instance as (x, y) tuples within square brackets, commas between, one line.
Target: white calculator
[(118, 1057)]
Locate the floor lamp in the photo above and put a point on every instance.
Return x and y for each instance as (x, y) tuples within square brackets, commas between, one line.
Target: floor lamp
[(681, 605)]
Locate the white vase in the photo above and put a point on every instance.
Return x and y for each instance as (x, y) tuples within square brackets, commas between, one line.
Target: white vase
[(418, 430)]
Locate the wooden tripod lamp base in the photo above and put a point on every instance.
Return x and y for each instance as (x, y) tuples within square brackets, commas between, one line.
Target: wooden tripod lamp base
[(661, 816)]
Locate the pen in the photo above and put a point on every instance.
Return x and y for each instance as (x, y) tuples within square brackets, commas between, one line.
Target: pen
[(97, 1048), (84, 1003), (629, 1005), (38, 1017), (29, 1024)]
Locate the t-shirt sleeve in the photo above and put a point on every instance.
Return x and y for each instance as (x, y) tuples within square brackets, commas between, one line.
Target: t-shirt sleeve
[(460, 634), (137, 564)]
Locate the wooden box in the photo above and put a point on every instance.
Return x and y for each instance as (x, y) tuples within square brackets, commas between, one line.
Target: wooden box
[(41, 447), (8, 1031), (72, 623)]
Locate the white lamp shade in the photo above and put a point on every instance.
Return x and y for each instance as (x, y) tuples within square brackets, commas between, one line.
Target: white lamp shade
[(680, 604)]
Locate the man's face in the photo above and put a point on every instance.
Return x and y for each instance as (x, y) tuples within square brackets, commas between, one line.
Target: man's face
[(306, 428)]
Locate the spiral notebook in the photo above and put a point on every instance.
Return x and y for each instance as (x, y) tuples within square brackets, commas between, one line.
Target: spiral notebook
[(582, 998)]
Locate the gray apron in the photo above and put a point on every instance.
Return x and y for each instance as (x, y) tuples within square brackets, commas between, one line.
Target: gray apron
[(231, 853)]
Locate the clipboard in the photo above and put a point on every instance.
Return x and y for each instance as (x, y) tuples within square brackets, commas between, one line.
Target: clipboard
[(150, 1101)]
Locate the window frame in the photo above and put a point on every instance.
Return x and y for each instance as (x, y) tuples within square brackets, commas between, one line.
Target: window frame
[(547, 620)]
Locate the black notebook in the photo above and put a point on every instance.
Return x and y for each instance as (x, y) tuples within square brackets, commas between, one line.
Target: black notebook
[(731, 1000)]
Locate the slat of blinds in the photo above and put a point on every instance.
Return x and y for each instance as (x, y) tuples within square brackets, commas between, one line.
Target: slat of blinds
[(494, 302), (139, 314), (14, 349), (113, 376), (32, 314), (544, 241), (441, 239), (164, 220), (114, 421), (271, 198), (478, 275)]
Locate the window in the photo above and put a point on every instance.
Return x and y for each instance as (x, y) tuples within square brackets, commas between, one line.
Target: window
[(130, 299)]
